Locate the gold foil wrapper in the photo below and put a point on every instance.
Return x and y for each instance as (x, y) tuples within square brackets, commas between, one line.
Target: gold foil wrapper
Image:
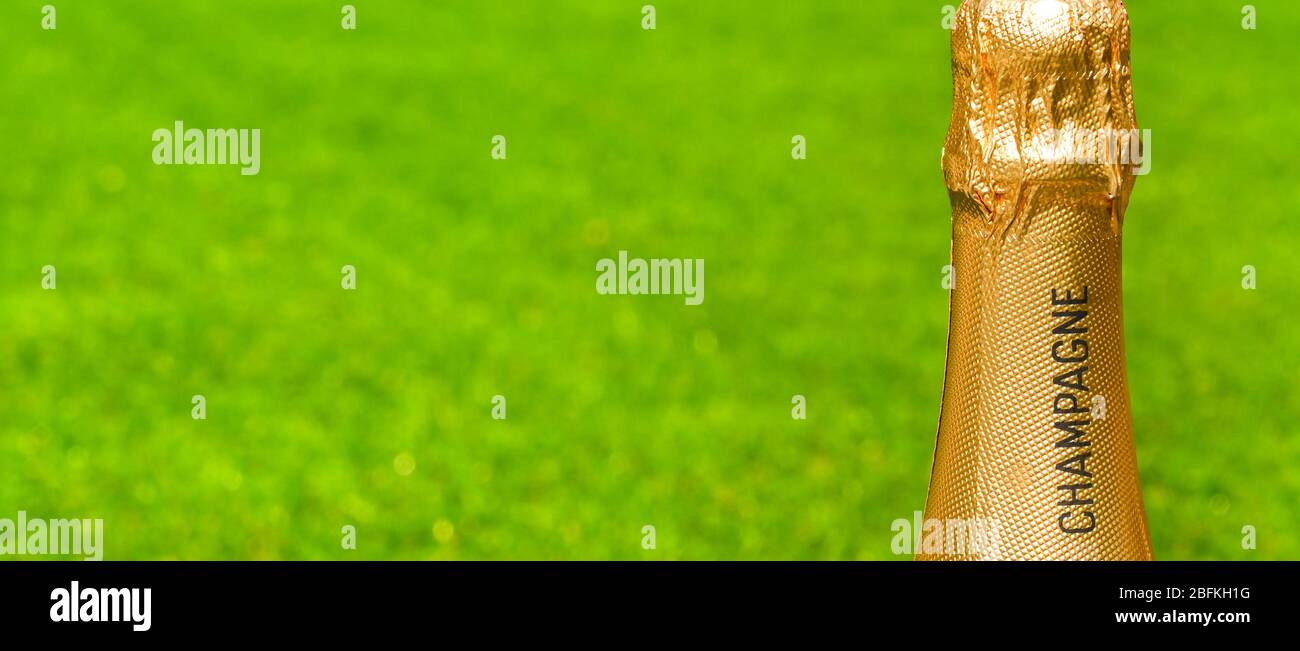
[(1035, 456)]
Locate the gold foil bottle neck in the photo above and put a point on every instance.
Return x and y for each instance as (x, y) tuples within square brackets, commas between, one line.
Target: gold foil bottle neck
[(1035, 456)]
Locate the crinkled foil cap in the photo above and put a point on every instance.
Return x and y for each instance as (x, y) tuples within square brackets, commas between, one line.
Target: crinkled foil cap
[(1037, 85)]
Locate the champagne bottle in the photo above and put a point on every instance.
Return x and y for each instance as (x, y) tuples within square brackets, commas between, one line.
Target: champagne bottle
[(1035, 458)]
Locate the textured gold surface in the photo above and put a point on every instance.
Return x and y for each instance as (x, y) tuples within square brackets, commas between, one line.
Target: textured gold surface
[(1028, 218)]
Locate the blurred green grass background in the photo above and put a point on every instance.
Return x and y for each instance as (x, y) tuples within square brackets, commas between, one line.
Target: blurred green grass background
[(476, 277)]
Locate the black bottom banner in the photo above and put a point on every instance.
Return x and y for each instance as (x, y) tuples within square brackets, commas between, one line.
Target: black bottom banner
[(495, 600)]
